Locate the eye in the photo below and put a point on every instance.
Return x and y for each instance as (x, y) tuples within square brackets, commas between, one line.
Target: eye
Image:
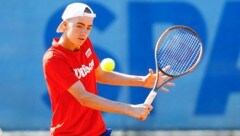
[(89, 28), (79, 26)]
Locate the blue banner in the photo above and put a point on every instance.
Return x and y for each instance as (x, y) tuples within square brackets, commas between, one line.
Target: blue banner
[(207, 98)]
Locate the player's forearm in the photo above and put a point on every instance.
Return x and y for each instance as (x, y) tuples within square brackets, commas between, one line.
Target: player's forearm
[(99, 103), (96, 102), (120, 79)]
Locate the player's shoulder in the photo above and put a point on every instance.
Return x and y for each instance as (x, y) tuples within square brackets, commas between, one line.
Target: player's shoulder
[(52, 54), (49, 53)]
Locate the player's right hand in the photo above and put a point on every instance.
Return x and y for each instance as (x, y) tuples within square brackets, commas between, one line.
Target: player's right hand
[(140, 111)]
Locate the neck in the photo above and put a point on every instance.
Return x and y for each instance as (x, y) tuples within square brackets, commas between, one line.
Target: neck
[(67, 44)]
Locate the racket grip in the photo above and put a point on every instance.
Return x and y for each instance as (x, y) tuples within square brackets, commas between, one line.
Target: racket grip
[(150, 97)]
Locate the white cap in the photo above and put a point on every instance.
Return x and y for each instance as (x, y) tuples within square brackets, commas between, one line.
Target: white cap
[(75, 10)]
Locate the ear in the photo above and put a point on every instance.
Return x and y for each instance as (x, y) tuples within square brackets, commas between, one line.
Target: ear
[(64, 26)]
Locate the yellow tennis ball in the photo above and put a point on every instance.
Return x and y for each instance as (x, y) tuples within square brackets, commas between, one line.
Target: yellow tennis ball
[(107, 64)]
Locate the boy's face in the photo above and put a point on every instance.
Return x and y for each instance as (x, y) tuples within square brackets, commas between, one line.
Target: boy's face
[(78, 29)]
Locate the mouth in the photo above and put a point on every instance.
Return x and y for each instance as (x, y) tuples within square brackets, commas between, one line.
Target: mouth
[(81, 39)]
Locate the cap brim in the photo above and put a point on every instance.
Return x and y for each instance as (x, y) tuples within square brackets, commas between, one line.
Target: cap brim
[(60, 27)]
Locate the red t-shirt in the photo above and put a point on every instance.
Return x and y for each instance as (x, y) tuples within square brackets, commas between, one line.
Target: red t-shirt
[(63, 68)]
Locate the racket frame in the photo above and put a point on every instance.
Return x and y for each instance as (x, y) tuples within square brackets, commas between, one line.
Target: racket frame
[(156, 88)]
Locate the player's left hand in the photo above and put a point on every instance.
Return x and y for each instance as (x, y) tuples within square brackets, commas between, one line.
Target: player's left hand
[(150, 78)]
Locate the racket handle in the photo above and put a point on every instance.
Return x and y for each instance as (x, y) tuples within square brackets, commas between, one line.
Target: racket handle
[(150, 97)]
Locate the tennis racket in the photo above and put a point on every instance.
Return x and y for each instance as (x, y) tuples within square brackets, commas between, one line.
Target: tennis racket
[(179, 47)]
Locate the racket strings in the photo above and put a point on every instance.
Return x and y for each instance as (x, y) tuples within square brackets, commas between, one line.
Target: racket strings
[(165, 61), (188, 55), (179, 49), (181, 54), (169, 52)]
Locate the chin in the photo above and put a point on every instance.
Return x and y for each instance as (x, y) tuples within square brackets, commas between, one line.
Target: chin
[(79, 43)]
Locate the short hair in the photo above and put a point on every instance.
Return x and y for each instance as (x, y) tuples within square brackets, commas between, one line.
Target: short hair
[(87, 10)]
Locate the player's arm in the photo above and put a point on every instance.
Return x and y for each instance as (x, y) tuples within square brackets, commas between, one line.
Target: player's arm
[(99, 103), (116, 78)]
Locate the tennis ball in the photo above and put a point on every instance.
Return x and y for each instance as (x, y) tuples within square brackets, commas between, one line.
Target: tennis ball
[(107, 64)]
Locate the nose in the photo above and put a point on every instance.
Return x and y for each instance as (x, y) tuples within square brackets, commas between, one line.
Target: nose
[(84, 31)]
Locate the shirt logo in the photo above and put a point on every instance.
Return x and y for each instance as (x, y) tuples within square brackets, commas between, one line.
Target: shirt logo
[(88, 52), (83, 70)]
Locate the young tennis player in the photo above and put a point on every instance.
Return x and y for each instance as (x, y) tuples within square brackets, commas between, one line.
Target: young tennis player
[(71, 69)]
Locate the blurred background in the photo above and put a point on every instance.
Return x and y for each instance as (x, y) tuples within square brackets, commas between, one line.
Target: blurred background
[(126, 30)]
